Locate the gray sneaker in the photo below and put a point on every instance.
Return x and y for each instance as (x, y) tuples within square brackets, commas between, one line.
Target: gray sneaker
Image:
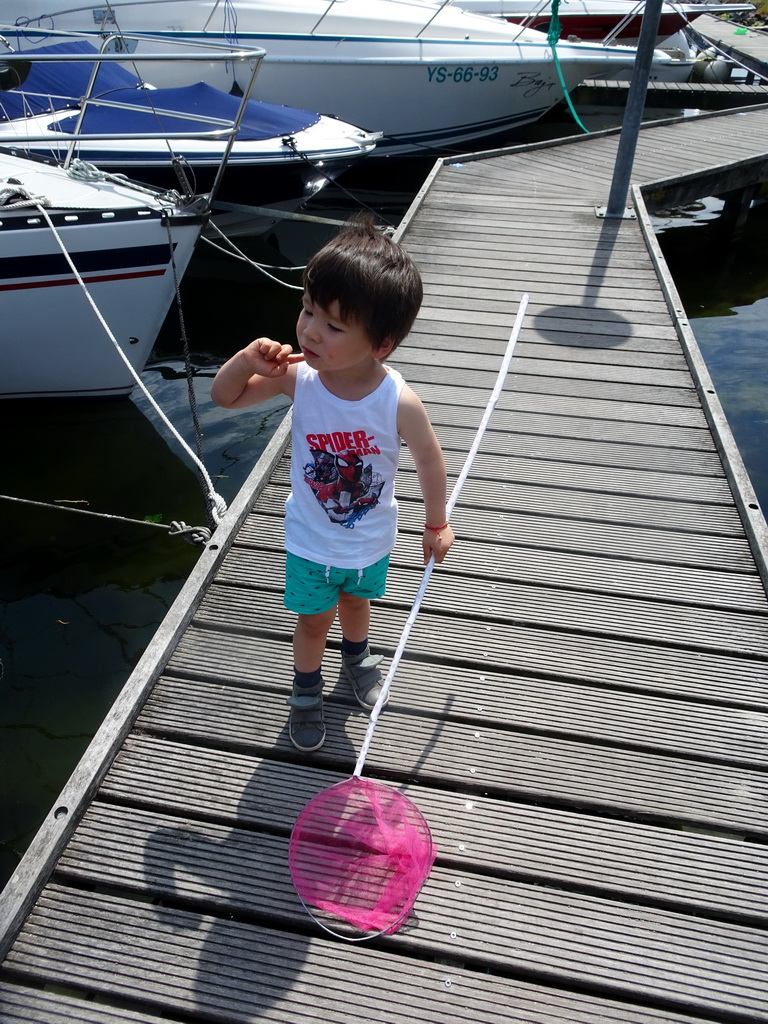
[(306, 727), (363, 673)]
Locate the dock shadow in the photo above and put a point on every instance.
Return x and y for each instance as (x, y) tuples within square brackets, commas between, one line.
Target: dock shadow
[(227, 898), (591, 322)]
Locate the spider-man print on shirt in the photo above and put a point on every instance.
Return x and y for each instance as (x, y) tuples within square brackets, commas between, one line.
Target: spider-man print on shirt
[(346, 487)]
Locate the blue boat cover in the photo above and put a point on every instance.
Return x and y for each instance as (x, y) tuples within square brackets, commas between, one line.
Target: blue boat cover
[(62, 84), (69, 82)]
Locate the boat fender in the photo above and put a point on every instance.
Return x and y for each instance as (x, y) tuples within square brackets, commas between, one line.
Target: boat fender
[(711, 66), (14, 75)]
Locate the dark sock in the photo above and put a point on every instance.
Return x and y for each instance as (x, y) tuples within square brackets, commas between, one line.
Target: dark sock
[(306, 679), (351, 648)]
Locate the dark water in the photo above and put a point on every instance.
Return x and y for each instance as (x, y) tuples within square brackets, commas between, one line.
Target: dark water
[(82, 596), (724, 289)]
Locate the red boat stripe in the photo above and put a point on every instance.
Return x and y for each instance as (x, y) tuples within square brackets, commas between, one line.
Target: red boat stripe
[(86, 280)]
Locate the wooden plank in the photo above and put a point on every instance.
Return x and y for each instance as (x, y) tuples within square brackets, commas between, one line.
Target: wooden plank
[(674, 95), (593, 452), (684, 534), (547, 653), (564, 423), (629, 408), (486, 345), (550, 495), (216, 868), (671, 868), (459, 310), (561, 321), (727, 735), (557, 365), (549, 566), (695, 965), (491, 596), (750, 49), (174, 858), (496, 762), (588, 161), (234, 971), (505, 470), (20, 1005), (605, 478), (530, 255), (545, 345), (754, 41), (495, 268), (546, 383)]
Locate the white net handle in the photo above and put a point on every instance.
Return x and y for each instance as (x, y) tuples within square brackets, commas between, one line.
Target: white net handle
[(449, 508)]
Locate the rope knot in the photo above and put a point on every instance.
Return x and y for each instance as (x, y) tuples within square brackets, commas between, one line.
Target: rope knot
[(217, 506), (197, 536), (81, 170)]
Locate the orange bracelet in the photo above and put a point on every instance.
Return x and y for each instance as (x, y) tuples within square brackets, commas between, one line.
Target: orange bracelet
[(435, 529)]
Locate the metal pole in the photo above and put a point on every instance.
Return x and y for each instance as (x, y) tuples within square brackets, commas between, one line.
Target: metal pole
[(255, 66), (633, 113)]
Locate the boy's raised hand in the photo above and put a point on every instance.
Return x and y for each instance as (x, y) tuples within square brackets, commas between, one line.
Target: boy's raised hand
[(269, 358), (254, 374)]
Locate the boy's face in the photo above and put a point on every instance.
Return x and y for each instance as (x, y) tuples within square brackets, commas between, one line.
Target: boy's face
[(331, 344)]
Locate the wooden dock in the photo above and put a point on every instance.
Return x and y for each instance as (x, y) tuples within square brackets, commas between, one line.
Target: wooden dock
[(581, 713), (601, 92), (746, 45)]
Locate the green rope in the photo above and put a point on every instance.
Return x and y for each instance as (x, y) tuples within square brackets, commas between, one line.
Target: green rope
[(553, 34)]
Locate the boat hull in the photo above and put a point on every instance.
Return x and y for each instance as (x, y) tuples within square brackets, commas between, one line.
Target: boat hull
[(280, 155), (264, 184), (424, 94), (266, 181), (427, 77), (52, 343)]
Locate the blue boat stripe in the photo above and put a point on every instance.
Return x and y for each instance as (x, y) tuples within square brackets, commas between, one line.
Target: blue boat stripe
[(140, 257)]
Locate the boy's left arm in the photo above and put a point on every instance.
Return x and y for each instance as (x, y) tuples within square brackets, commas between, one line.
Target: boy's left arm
[(416, 430)]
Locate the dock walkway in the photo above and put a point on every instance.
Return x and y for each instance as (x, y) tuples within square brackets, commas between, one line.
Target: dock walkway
[(581, 712), (747, 45), (601, 92)]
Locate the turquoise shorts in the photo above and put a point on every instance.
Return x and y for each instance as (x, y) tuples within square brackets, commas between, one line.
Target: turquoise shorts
[(312, 588)]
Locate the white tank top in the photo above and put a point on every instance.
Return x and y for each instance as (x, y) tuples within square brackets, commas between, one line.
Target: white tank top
[(342, 510)]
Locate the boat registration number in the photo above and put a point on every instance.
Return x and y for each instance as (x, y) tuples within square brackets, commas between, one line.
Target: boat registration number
[(487, 73)]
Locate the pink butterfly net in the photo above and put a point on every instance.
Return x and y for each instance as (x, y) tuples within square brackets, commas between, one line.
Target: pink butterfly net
[(361, 851)]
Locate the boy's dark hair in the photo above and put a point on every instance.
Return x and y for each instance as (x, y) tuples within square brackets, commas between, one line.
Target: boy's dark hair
[(373, 279)]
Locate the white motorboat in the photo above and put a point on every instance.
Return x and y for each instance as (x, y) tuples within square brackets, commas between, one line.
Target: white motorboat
[(281, 156), (427, 74), (127, 246)]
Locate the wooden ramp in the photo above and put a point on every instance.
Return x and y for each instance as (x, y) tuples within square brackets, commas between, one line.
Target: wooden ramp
[(581, 713)]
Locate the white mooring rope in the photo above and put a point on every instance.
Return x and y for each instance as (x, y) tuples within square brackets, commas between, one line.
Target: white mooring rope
[(217, 504)]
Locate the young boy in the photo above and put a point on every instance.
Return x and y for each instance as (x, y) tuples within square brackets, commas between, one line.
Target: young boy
[(361, 295)]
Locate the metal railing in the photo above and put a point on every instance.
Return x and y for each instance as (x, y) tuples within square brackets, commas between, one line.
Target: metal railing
[(221, 129)]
